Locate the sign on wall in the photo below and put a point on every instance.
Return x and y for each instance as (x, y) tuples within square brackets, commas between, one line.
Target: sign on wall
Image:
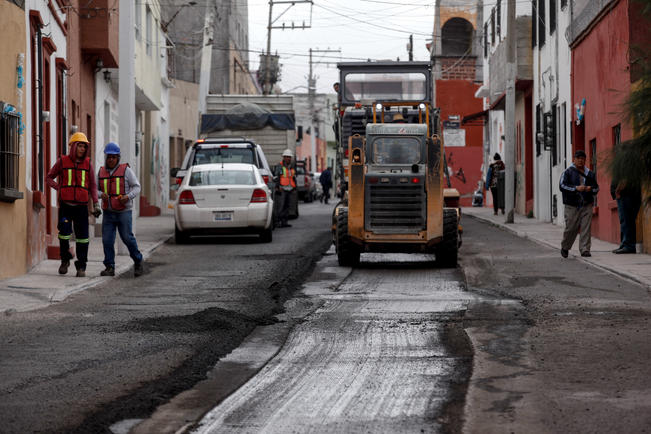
[(454, 137)]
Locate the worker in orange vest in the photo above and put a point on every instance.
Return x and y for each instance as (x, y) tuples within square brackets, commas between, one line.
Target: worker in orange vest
[(76, 185), (286, 185), (119, 186)]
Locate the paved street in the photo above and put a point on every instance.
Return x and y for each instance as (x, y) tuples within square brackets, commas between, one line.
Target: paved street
[(227, 335)]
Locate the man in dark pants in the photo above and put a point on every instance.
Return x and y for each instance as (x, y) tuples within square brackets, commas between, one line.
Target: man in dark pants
[(326, 182), (578, 185), (629, 199), (491, 181), (75, 186), (286, 185), (118, 186)]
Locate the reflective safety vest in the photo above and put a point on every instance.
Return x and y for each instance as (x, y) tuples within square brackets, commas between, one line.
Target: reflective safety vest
[(74, 180), (287, 177), (113, 185)]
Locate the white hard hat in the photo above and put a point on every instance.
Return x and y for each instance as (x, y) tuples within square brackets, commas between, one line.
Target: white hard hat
[(287, 153)]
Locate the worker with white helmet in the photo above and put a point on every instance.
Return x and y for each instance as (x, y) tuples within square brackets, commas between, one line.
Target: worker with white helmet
[(287, 184)]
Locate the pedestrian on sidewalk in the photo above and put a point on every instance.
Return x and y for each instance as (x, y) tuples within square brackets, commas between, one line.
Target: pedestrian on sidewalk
[(629, 199), (118, 187), (491, 181), (579, 186), (326, 183), (286, 186), (75, 186)]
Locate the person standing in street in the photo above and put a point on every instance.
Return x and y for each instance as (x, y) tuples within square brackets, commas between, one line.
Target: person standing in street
[(326, 183), (118, 187), (629, 199), (286, 186), (578, 185), (491, 181), (75, 186)]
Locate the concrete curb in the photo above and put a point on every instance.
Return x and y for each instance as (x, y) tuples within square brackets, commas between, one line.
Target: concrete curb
[(119, 270), (522, 234)]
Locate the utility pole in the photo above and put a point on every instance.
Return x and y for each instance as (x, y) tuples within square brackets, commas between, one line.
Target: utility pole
[(311, 94), (509, 154), (206, 59), (411, 48), (267, 85)]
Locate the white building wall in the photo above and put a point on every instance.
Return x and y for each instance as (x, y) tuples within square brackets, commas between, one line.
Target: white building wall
[(52, 30), (106, 116), (552, 67)]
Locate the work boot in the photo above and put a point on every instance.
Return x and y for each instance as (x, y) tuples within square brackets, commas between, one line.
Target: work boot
[(138, 269), (63, 268), (564, 253), (81, 273), (108, 271), (81, 269)]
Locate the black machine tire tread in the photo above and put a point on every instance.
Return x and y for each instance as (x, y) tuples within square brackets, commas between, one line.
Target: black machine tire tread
[(448, 250), (347, 252)]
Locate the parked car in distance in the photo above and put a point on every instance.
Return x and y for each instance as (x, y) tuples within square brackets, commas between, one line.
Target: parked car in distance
[(226, 150), (305, 184), (226, 198)]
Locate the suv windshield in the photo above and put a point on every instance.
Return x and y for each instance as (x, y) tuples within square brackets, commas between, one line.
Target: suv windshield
[(223, 155), (396, 150)]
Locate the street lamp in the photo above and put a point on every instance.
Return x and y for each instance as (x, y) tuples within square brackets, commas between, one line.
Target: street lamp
[(165, 25)]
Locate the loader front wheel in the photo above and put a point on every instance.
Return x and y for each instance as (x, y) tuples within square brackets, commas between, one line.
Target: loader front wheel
[(347, 251)]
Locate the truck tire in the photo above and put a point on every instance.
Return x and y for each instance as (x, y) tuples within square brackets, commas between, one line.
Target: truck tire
[(347, 252), (447, 251)]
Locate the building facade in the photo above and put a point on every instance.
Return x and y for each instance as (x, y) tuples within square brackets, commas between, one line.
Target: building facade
[(13, 189), (552, 104), (604, 36), (230, 72), (457, 68)]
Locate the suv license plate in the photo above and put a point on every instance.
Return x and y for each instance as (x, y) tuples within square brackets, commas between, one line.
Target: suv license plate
[(224, 216)]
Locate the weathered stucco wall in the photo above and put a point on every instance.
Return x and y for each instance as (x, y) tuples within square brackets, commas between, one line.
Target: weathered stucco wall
[(13, 231)]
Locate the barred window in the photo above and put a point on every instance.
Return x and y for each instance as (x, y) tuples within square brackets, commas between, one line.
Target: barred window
[(9, 156)]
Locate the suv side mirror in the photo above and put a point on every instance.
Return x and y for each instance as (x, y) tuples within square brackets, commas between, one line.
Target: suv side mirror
[(174, 171)]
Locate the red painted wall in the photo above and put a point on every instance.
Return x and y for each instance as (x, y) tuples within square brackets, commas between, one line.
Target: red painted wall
[(457, 97), (600, 74)]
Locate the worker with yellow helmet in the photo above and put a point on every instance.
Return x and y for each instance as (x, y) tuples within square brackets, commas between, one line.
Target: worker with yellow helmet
[(72, 176)]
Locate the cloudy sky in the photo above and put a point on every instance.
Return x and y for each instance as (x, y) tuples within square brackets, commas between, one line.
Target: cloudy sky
[(361, 29)]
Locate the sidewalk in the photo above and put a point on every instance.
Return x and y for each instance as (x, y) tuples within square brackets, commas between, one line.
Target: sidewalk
[(634, 267), (43, 285)]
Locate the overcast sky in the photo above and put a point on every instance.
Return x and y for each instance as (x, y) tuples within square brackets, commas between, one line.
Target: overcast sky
[(361, 29)]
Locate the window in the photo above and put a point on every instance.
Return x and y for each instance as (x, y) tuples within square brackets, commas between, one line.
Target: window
[(617, 135), (593, 162), (138, 21), (541, 23), (9, 154), (148, 30), (563, 4), (534, 21), (396, 150), (552, 16), (499, 19), (562, 133), (538, 129), (221, 177), (493, 27), (485, 39)]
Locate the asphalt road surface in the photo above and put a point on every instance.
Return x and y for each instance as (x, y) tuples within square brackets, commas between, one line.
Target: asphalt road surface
[(120, 350), (376, 356)]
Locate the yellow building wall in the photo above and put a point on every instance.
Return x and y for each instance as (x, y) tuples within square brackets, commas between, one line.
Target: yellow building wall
[(13, 231)]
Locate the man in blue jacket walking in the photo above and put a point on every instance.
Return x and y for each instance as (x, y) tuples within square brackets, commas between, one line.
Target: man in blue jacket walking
[(578, 186)]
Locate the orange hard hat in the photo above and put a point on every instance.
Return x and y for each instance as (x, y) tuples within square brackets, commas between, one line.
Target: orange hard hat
[(78, 137)]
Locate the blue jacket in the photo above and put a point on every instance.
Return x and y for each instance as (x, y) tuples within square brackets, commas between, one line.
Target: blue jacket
[(572, 178)]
